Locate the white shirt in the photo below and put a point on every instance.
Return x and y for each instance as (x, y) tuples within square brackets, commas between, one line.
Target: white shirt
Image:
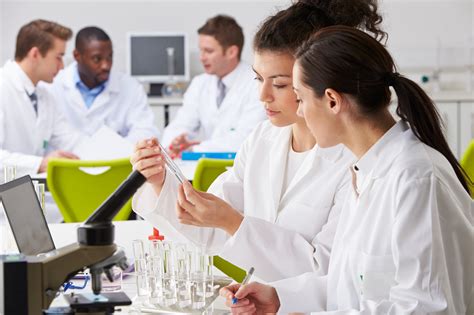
[(122, 106), (223, 128), (284, 233), (404, 244), (25, 137), (293, 163)]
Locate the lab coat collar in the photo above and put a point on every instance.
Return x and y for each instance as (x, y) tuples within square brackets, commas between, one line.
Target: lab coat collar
[(22, 82), (376, 161), (332, 154), (230, 78), (279, 154)]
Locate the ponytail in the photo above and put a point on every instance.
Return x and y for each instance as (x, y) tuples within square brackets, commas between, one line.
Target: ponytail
[(419, 111), (352, 62)]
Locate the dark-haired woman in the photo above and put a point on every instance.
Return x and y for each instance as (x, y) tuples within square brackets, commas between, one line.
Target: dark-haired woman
[(404, 243), (281, 200)]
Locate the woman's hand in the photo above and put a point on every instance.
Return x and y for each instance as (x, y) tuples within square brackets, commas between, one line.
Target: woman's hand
[(204, 209), (253, 298), (148, 161)]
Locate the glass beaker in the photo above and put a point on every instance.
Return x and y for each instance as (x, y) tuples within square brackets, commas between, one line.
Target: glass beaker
[(171, 87)]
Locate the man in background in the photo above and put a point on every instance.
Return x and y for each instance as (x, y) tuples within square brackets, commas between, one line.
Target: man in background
[(220, 107), (93, 95), (32, 129)]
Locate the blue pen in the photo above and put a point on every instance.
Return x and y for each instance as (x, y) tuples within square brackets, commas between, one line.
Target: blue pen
[(244, 282)]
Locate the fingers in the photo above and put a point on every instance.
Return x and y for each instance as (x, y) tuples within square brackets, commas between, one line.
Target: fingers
[(67, 155), (247, 289), (145, 153), (228, 292), (243, 307), (149, 161), (146, 143), (191, 143), (183, 201), (184, 217), (191, 195)]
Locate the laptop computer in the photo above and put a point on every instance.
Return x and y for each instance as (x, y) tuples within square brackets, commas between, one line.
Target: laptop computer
[(26, 217)]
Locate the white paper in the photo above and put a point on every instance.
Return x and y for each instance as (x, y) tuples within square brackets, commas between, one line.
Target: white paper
[(104, 144)]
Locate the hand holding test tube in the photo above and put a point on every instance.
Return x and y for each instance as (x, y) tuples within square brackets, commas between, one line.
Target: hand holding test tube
[(244, 282)]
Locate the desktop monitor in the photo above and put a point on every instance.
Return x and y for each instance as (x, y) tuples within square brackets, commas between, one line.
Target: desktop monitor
[(26, 217), (147, 58)]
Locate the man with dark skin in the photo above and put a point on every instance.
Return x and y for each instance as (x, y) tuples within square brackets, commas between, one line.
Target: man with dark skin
[(93, 95)]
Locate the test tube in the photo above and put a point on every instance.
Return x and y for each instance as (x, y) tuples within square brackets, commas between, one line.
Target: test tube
[(202, 279), (40, 192), (9, 173), (169, 275), (140, 272), (155, 272)]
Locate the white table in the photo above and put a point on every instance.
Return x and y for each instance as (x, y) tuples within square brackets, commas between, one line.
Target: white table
[(125, 232)]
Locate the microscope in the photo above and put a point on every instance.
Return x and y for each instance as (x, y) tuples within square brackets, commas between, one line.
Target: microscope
[(28, 284)]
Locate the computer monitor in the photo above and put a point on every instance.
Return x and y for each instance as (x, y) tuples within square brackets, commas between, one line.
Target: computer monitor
[(147, 58), (26, 217)]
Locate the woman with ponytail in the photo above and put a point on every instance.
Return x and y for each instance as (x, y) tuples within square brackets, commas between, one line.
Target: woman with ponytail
[(281, 200), (404, 243)]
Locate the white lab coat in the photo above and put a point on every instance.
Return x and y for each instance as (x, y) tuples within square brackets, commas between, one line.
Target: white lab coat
[(282, 234), (122, 106), (224, 128), (404, 245), (24, 136)]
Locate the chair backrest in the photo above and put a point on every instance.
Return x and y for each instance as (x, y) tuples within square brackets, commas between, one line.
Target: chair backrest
[(467, 163), (207, 170), (80, 187)]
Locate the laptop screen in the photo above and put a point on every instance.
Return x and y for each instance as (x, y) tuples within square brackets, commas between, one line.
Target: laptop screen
[(26, 217)]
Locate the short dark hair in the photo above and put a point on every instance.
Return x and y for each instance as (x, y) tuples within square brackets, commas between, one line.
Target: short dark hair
[(226, 31), (88, 34), (40, 34)]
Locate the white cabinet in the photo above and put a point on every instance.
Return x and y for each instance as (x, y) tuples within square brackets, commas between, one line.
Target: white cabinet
[(458, 120), (449, 113), (466, 125)]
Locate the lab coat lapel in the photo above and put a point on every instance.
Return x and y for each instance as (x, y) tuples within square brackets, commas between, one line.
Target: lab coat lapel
[(303, 171), (73, 94), (387, 154), (278, 157)]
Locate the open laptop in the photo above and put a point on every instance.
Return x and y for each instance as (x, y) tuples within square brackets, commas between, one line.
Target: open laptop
[(26, 217)]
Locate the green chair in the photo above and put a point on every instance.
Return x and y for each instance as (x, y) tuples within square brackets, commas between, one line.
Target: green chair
[(207, 170), (78, 190), (467, 163)]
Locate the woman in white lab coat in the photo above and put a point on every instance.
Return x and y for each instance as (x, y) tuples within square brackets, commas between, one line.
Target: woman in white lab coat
[(281, 200), (404, 243)]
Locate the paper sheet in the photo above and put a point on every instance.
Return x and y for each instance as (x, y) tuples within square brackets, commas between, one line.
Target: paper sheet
[(104, 144)]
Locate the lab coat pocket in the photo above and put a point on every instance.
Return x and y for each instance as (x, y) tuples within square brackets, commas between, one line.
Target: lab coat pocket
[(376, 275)]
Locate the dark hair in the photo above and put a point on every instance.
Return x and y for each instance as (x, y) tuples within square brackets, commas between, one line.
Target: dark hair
[(352, 62), (288, 29), (40, 34), (88, 34), (225, 30)]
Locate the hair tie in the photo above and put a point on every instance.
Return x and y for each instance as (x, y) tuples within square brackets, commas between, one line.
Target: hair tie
[(391, 78)]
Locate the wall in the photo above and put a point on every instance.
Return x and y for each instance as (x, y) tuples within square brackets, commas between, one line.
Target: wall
[(417, 28)]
